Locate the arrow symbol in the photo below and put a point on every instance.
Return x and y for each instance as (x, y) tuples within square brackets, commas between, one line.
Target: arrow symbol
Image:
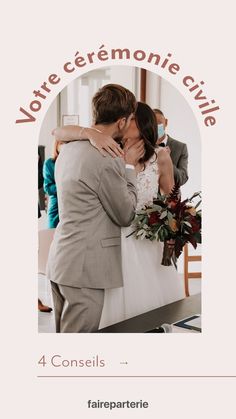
[(124, 362)]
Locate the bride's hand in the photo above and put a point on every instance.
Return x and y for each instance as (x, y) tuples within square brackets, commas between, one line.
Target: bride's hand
[(129, 142), (134, 151), (98, 140), (104, 143)]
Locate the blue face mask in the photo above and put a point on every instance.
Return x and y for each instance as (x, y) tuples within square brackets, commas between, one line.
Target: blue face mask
[(160, 131)]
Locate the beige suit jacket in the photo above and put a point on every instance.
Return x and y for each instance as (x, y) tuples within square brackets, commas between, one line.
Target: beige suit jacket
[(96, 196)]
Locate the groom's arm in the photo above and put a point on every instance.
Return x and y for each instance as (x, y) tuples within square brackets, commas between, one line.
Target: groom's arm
[(117, 191)]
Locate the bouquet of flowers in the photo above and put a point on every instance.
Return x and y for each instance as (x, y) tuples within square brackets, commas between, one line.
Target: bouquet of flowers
[(172, 221)]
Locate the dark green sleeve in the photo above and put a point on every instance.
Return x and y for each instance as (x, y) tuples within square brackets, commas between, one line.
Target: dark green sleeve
[(49, 184)]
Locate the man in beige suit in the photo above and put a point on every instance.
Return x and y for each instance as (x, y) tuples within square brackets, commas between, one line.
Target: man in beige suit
[(96, 196)]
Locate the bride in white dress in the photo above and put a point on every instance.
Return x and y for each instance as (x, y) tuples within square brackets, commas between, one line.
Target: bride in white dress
[(147, 284)]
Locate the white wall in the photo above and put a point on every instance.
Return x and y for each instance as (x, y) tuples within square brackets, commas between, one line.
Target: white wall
[(183, 127), (75, 99), (153, 89)]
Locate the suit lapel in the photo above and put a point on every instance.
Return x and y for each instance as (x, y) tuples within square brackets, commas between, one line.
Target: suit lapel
[(173, 150)]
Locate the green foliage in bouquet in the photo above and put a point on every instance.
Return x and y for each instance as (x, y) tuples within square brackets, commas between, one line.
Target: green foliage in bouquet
[(170, 219)]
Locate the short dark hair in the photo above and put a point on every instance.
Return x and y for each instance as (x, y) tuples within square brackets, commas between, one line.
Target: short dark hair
[(111, 103), (146, 123), (158, 111)]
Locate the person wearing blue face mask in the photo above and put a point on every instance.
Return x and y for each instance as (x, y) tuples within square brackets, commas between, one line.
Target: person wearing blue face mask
[(178, 150), (160, 133)]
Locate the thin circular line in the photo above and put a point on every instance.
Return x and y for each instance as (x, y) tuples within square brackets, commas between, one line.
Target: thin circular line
[(136, 376)]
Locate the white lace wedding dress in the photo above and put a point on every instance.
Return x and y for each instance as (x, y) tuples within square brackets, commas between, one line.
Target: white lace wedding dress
[(147, 284)]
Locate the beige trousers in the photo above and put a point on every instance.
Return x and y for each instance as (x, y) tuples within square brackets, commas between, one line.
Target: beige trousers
[(77, 310)]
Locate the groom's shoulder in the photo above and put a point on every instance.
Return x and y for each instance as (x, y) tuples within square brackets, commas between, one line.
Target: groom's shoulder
[(81, 150), (84, 153), (176, 143), (103, 164)]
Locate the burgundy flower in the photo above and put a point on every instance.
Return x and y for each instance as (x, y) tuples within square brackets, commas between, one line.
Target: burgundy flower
[(195, 224), (174, 220), (153, 218), (172, 204)]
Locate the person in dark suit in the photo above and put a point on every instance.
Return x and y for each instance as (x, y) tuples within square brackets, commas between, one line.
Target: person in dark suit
[(41, 306), (40, 178), (178, 150)]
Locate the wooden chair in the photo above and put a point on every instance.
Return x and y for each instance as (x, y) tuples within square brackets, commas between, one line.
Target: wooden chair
[(188, 275)]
